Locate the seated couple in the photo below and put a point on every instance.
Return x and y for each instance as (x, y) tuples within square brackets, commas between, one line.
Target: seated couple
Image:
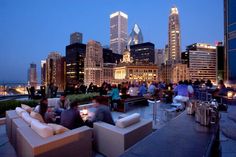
[(71, 118)]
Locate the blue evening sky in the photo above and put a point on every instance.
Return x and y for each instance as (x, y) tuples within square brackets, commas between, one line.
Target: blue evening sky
[(30, 29)]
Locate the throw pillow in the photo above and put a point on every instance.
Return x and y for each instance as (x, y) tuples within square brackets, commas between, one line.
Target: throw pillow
[(37, 116), (57, 129), (26, 107)]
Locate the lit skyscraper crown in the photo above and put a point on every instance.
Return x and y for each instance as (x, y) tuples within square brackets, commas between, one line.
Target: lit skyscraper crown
[(136, 36), (174, 10)]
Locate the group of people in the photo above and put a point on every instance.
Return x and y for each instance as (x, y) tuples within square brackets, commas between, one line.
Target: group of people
[(69, 115)]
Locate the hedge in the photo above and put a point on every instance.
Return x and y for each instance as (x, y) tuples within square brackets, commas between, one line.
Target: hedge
[(12, 104)]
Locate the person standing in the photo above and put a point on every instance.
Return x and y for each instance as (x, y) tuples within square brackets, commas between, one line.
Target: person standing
[(115, 96)]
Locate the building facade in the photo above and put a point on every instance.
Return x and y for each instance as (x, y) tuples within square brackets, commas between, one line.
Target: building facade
[(159, 57), (230, 40), (180, 72), (93, 66), (143, 53), (55, 68), (220, 61), (76, 37), (110, 57), (118, 31), (136, 36), (174, 36), (135, 73), (43, 72), (75, 54), (108, 76), (32, 75), (201, 61)]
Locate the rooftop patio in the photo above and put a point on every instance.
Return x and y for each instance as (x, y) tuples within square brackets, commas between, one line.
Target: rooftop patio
[(146, 112)]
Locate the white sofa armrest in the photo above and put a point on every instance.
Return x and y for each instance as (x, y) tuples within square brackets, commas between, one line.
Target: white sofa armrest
[(112, 141)]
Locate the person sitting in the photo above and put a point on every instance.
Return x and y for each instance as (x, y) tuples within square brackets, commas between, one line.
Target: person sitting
[(182, 96), (133, 90), (62, 104), (102, 112), (152, 88), (115, 96), (42, 109), (142, 89), (71, 118)]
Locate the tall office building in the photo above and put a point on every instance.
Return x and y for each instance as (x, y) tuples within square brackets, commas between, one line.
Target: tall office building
[(230, 40), (32, 75), (201, 61), (220, 61), (76, 37), (174, 37), (166, 51), (159, 56), (43, 72), (110, 57), (55, 67), (75, 54), (118, 31), (136, 36), (143, 53), (93, 64)]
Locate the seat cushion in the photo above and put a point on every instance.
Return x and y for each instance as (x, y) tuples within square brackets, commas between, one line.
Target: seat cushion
[(19, 111), (127, 121), (26, 108), (26, 117), (57, 129), (42, 129), (37, 116)]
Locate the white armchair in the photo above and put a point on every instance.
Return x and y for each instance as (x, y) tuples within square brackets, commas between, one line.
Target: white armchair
[(112, 141)]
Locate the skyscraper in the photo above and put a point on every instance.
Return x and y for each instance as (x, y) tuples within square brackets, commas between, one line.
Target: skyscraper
[(118, 31), (136, 36), (159, 56), (230, 39), (220, 61), (201, 61), (143, 53), (93, 63), (174, 36), (32, 75), (43, 72), (55, 67), (76, 37), (75, 54)]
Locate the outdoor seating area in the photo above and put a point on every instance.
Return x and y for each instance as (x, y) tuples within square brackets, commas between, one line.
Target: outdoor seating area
[(139, 122)]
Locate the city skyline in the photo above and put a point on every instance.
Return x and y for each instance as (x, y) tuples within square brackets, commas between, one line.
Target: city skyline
[(33, 43)]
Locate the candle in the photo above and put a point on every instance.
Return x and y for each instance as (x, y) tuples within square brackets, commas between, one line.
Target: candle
[(230, 94)]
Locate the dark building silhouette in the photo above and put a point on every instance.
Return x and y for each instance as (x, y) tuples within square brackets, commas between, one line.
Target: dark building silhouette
[(143, 53), (230, 40), (110, 57), (75, 54), (220, 62)]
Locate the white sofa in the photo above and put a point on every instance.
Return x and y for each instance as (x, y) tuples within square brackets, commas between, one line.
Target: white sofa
[(112, 141), (28, 142)]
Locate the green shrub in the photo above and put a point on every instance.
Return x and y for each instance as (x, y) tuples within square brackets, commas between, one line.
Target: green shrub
[(82, 98), (12, 104)]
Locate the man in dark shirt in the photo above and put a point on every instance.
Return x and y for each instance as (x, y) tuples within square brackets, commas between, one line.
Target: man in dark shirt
[(102, 112), (71, 118)]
